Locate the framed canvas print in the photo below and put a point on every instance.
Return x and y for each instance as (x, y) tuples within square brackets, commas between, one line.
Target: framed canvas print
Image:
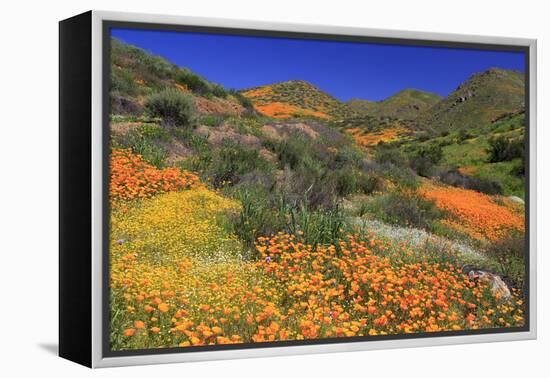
[(240, 189)]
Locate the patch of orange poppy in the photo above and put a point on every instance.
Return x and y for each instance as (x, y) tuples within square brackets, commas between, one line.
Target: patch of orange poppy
[(474, 213), (283, 110), (132, 177)]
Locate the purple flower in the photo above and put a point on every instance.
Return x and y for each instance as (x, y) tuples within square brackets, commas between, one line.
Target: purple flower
[(268, 259), (120, 241)]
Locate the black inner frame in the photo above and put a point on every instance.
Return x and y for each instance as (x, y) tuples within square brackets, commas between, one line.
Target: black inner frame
[(107, 25)]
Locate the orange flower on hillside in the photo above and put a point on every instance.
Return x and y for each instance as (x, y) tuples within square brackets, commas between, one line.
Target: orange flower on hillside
[(368, 139), (132, 177), (284, 110), (478, 215)]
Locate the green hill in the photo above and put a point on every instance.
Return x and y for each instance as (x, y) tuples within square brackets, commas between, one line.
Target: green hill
[(481, 99), (407, 104)]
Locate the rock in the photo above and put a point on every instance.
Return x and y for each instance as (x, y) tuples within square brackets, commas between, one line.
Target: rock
[(498, 287), (516, 199)]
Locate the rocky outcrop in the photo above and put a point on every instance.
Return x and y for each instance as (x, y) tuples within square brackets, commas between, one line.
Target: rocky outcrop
[(498, 287)]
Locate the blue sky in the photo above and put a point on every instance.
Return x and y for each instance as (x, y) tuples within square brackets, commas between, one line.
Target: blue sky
[(343, 69)]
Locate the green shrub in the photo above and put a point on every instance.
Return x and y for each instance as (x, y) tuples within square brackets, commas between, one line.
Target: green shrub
[(346, 181), (433, 152), (122, 82), (293, 151), (346, 156), (422, 166), (406, 209), (424, 159), (509, 256), (172, 106), (518, 169), (232, 160), (218, 91), (385, 155), (350, 180), (403, 177), (423, 136), (193, 81), (502, 148)]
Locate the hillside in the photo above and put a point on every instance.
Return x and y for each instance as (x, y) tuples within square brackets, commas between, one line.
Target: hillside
[(279, 213), (135, 74), (406, 104), (296, 98), (481, 99)]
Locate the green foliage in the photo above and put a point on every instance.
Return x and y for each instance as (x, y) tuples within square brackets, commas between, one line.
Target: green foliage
[(148, 141), (348, 156), (405, 209), (246, 125), (202, 156), (154, 132), (122, 82), (425, 157), (218, 91), (233, 160), (463, 134), (198, 84), (317, 227), (258, 215), (433, 152), (503, 174), (265, 213), (502, 148), (350, 180), (193, 81), (244, 101), (384, 155), (153, 70), (294, 151), (508, 253), (518, 168), (212, 120), (172, 106)]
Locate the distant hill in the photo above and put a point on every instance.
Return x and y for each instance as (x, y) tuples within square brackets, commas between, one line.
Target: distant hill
[(407, 104), (296, 98), (483, 98)]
